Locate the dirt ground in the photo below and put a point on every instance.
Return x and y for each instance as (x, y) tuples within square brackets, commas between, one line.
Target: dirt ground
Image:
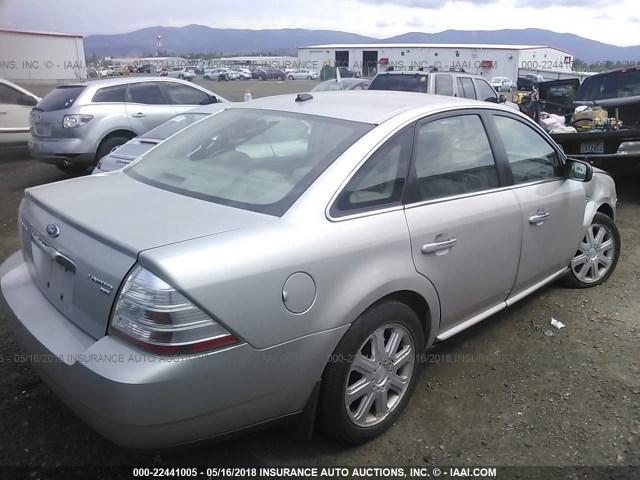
[(501, 393)]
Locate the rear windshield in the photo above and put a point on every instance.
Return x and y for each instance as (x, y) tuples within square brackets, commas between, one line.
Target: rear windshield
[(60, 98), (611, 85), (402, 83), (177, 123), (256, 160)]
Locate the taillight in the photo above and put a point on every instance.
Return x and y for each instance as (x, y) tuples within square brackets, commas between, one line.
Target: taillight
[(157, 317)]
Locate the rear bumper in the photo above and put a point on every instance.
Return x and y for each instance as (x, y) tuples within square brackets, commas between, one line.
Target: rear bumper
[(58, 151), (141, 400)]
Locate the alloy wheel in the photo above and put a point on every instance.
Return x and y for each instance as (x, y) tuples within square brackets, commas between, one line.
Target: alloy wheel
[(380, 374), (595, 254)]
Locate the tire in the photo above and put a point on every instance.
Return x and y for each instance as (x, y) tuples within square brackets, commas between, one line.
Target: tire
[(206, 77), (262, 78), (181, 77), (309, 77), (280, 79), (108, 145), (290, 77), (597, 255), (358, 422)]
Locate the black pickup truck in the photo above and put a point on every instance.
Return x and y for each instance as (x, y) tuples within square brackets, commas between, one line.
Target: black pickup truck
[(599, 143)]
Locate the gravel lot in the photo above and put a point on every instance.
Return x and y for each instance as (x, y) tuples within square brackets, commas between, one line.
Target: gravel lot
[(501, 393)]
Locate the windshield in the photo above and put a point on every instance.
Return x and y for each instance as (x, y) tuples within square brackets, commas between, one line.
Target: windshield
[(610, 85), (257, 160), (177, 123)]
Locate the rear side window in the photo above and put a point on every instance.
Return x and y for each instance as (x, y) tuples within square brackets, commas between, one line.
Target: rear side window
[(60, 98), (401, 83), (380, 181), (444, 84), (147, 93), (466, 88), (110, 94), (185, 95), (485, 91)]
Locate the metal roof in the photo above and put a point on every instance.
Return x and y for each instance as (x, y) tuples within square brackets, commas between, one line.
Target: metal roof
[(427, 45), (35, 32)]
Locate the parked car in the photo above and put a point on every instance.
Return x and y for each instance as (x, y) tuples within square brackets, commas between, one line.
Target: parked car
[(134, 148), (164, 72), (103, 72), (343, 84), (526, 84), (145, 68), (501, 84), (440, 82), (242, 73), (212, 285), (348, 73), (181, 73), (15, 106), (220, 74), (77, 124), (302, 74), (268, 74)]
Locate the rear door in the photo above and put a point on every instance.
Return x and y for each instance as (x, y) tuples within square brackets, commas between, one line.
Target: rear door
[(466, 231), (147, 106), (552, 206)]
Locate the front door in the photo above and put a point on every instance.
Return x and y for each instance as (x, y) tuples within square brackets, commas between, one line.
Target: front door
[(147, 107), (552, 206)]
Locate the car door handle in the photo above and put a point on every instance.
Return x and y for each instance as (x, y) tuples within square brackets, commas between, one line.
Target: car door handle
[(539, 218), (138, 115), (438, 246)]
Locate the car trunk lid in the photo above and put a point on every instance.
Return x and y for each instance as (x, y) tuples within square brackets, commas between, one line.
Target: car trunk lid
[(80, 247)]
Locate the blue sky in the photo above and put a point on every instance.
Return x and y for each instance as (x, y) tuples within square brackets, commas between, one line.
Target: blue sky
[(616, 22)]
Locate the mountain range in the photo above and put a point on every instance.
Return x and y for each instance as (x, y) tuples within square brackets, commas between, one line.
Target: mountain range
[(203, 39)]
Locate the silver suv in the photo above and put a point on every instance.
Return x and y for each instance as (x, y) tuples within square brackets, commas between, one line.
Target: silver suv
[(453, 83), (77, 124)]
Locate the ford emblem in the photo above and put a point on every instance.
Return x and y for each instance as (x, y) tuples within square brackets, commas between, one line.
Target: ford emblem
[(53, 230)]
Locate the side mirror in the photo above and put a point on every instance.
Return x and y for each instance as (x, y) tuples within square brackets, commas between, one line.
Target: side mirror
[(579, 170), (502, 99), (27, 100)]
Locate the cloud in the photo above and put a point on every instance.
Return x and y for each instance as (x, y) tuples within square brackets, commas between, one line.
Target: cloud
[(383, 24), (424, 4), (414, 23), (596, 4), (634, 19)]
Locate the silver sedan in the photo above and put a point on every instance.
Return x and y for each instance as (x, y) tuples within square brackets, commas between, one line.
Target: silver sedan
[(291, 258)]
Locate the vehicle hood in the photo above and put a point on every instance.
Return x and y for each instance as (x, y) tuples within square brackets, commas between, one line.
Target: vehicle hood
[(132, 216)]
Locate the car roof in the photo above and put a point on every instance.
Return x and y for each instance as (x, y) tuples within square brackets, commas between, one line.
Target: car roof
[(349, 80), (427, 72), (366, 106), (108, 82)]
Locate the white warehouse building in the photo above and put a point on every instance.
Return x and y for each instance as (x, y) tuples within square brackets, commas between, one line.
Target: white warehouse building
[(486, 60), (41, 56)]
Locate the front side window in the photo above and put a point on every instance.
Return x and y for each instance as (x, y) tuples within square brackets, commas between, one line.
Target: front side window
[(146, 93), (256, 160), (452, 156), (485, 91), (530, 156), (380, 181)]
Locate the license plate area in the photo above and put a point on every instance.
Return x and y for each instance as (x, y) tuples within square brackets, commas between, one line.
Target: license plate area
[(592, 147), (56, 281)]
